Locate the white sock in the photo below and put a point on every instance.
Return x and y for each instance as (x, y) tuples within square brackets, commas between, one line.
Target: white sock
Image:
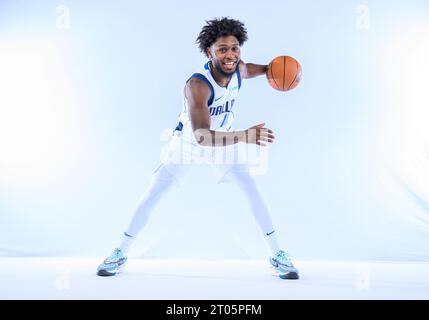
[(272, 242), (127, 241)]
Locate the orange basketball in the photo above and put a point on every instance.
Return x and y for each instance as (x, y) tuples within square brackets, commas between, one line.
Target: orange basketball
[(284, 73)]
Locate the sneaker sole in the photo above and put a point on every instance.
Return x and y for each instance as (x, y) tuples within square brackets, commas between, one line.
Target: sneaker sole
[(104, 273), (289, 276), (283, 275)]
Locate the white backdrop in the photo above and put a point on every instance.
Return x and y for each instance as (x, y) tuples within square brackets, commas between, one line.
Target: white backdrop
[(87, 88)]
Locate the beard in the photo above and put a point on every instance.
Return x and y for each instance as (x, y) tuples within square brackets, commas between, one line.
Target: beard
[(218, 66)]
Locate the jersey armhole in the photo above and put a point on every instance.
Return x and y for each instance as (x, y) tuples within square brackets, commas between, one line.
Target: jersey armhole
[(206, 81)]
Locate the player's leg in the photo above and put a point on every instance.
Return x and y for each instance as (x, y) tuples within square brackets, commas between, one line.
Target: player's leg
[(279, 259), (161, 182)]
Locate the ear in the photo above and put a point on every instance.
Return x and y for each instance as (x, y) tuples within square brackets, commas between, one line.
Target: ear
[(208, 52)]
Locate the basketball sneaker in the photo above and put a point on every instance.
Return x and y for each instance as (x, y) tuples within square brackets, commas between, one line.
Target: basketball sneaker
[(113, 264), (283, 265)]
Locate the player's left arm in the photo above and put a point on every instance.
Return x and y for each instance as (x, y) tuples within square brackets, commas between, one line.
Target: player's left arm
[(251, 70)]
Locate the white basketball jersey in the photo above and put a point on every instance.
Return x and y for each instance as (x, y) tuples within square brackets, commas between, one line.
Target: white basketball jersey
[(220, 104)]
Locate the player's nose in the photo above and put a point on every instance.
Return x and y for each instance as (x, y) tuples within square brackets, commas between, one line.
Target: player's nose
[(230, 56)]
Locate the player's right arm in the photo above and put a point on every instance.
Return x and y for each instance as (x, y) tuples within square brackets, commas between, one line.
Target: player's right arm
[(198, 94)]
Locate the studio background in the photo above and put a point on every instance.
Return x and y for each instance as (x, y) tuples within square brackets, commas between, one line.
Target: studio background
[(88, 88)]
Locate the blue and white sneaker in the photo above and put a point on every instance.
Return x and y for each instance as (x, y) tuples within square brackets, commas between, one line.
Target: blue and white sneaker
[(283, 265), (113, 264)]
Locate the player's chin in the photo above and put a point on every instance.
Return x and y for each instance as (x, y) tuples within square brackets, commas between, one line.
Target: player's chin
[(229, 70)]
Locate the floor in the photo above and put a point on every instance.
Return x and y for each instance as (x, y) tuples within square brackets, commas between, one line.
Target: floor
[(74, 278)]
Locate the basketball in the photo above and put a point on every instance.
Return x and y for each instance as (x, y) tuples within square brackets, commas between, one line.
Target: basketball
[(284, 73)]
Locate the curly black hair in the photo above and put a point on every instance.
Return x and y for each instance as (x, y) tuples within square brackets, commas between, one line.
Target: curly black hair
[(220, 27)]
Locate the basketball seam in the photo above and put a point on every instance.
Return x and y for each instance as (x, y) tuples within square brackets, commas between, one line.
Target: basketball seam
[(284, 71), (296, 74)]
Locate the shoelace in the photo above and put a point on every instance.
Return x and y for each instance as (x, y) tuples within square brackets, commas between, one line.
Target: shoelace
[(115, 255), (284, 258)]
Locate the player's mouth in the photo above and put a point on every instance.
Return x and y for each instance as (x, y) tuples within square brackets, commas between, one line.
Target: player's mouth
[(230, 66)]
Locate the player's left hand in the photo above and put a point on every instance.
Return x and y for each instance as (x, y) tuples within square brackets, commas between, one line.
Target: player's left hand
[(259, 135)]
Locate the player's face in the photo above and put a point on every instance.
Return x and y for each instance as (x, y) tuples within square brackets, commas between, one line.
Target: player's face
[(225, 54)]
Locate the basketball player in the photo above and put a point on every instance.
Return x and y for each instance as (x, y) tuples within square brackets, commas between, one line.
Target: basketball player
[(205, 127)]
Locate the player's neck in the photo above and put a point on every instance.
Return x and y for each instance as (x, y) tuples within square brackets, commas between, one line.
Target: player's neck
[(221, 79)]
